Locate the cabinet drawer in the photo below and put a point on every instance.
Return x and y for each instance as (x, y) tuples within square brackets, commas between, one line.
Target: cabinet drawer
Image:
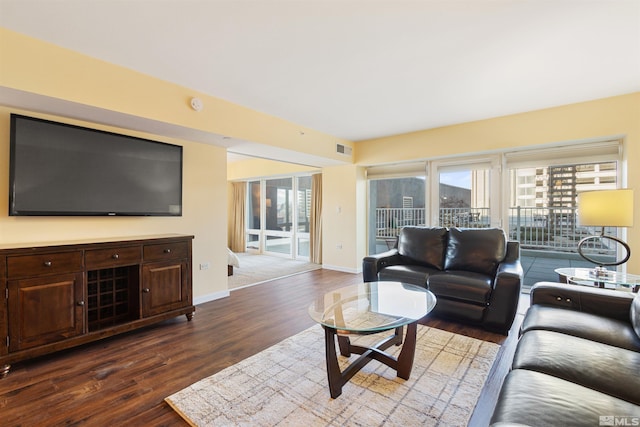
[(114, 257), (159, 252), (39, 264)]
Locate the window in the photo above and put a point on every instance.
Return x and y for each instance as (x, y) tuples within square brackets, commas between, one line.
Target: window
[(531, 193), (552, 222), (466, 193), (393, 204), (303, 209), (282, 226)]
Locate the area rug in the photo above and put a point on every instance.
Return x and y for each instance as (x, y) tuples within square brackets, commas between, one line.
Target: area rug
[(286, 385), (256, 269)]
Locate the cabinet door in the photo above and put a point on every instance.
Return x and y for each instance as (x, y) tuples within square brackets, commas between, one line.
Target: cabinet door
[(45, 310), (4, 330), (165, 287)]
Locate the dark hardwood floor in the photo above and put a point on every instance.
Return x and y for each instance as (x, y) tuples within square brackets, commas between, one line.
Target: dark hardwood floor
[(123, 380)]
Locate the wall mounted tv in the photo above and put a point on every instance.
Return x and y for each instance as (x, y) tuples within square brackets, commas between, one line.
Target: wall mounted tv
[(61, 169)]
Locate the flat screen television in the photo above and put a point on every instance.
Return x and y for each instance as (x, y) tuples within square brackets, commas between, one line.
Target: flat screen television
[(61, 169)]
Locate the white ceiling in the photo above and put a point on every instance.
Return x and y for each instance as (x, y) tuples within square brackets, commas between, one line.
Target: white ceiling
[(359, 69)]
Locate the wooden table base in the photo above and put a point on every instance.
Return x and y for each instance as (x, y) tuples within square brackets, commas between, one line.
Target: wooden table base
[(402, 364)]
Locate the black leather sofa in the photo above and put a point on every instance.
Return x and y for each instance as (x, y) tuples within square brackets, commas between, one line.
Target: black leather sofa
[(577, 360), (475, 273)]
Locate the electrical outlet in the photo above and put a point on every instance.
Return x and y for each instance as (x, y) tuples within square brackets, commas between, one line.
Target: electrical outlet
[(204, 266)]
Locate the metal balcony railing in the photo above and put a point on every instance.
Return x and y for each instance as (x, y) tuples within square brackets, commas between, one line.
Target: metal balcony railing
[(464, 217), (389, 221), (535, 228), (556, 229)]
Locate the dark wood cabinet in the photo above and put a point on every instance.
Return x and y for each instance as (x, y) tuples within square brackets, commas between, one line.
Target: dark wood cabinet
[(64, 295), (45, 310), (164, 287)]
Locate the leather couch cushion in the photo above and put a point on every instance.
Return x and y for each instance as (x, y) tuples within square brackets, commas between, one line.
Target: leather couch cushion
[(458, 310), (414, 274), (461, 285), (535, 399), (579, 324), (634, 313), (479, 250), (423, 245), (601, 367)]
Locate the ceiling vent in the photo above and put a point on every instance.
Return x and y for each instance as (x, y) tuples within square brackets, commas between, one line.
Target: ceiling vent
[(343, 149)]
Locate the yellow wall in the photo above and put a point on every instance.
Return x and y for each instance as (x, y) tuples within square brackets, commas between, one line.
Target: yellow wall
[(345, 187), (257, 168), (615, 116), (42, 68), (39, 68), (48, 72), (204, 165), (601, 118), (343, 218)]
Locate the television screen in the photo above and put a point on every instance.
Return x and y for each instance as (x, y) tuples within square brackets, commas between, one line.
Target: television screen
[(61, 169)]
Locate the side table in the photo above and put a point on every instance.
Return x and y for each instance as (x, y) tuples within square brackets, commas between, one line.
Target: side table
[(610, 280)]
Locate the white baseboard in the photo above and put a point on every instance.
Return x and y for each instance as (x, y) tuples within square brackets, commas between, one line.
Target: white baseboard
[(343, 269), (210, 297)]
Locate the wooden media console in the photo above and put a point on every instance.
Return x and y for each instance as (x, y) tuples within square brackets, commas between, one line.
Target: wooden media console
[(59, 296)]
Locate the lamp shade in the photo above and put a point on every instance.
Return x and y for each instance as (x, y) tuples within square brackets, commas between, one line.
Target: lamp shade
[(606, 208)]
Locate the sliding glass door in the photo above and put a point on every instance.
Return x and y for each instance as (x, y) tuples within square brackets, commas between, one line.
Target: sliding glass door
[(394, 203), (464, 195), (278, 216), (303, 216), (254, 216)]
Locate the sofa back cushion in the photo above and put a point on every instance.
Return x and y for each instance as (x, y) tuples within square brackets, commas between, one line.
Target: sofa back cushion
[(479, 249), (423, 245), (635, 314)]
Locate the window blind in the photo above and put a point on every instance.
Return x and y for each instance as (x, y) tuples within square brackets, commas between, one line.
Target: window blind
[(601, 151)]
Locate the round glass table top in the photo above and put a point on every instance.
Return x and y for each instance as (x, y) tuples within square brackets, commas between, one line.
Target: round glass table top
[(372, 307)]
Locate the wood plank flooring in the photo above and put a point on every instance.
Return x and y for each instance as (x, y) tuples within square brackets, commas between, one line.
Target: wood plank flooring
[(123, 380)]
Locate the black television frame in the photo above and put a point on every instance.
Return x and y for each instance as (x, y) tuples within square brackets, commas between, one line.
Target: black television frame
[(172, 211)]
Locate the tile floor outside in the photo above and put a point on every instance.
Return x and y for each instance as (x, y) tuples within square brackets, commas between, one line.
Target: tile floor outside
[(539, 266)]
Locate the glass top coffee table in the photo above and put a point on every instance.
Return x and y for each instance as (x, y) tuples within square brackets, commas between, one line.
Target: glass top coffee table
[(609, 280), (370, 308)]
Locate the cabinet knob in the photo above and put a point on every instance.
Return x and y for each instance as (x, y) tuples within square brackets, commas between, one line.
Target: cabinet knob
[(80, 303), (115, 256), (167, 251), (48, 263), (146, 290)]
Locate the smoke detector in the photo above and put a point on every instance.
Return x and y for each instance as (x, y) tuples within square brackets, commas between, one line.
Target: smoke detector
[(196, 104)]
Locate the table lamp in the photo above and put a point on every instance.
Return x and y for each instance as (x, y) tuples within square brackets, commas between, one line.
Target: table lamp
[(605, 208)]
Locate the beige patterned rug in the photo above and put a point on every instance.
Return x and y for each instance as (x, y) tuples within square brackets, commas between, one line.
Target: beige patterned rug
[(286, 385)]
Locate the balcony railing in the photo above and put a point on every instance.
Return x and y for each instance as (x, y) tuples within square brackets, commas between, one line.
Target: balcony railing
[(464, 217), (535, 228), (389, 221), (556, 229)]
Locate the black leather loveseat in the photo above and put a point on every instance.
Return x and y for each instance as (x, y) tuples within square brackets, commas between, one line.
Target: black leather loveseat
[(577, 362), (475, 273)]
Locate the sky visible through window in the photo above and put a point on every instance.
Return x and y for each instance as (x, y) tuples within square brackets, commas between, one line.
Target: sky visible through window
[(460, 179)]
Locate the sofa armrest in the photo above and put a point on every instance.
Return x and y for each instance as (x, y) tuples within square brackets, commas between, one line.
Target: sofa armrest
[(372, 264), (505, 295), (602, 302)]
